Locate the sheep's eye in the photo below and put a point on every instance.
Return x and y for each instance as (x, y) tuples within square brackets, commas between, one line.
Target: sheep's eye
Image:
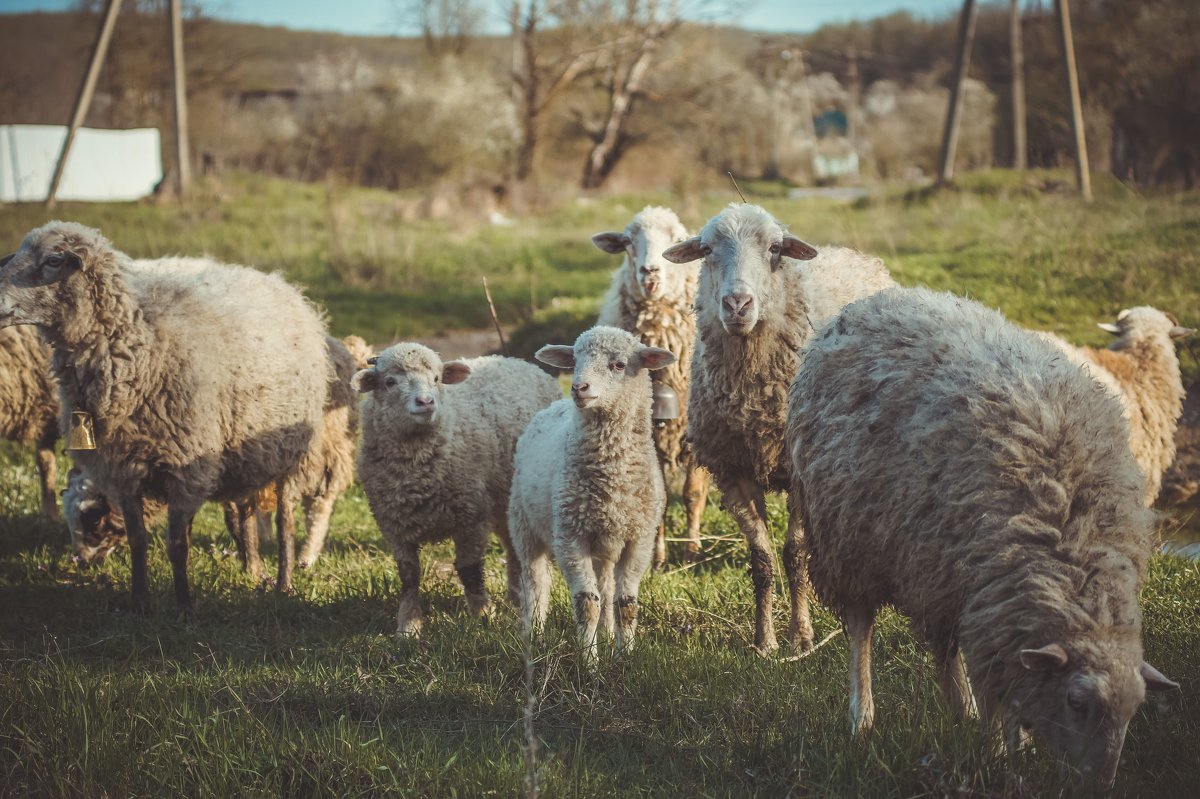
[(1077, 703), (390, 382), (437, 379), (777, 248), (54, 260), (618, 366)]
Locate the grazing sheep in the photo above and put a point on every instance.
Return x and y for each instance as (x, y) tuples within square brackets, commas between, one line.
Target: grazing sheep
[(587, 487), (96, 526), (29, 405), (652, 298), (959, 468), (436, 459), (1142, 370), (755, 310), (203, 382)]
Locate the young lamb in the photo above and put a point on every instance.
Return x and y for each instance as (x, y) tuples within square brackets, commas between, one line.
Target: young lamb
[(755, 310), (652, 298), (436, 459), (203, 382), (957, 467), (587, 487), (29, 405), (1142, 370)]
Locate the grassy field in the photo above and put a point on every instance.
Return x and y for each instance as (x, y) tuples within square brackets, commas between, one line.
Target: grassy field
[(268, 695)]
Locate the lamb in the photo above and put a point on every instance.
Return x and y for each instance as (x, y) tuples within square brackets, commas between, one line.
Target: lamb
[(29, 405), (652, 299), (436, 459), (203, 383), (954, 466), (587, 486), (755, 311), (1142, 370)]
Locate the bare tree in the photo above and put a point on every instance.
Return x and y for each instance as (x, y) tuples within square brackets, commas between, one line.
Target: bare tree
[(446, 26)]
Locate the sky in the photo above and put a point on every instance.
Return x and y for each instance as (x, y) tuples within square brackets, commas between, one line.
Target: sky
[(378, 17)]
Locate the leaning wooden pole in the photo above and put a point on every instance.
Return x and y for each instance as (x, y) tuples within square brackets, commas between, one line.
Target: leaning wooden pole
[(183, 163), (84, 100), (1083, 175), (1018, 86), (966, 35)]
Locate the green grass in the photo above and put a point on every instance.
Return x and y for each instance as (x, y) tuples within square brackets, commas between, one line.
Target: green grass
[(268, 695)]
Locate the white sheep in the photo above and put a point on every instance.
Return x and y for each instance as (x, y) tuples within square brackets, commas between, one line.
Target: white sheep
[(956, 467), (436, 459), (203, 383), (587, 487), (1141, 369), (652, 298), (29, 405), (756, 308)]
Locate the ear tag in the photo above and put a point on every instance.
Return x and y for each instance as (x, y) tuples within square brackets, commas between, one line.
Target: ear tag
[(83, 433)]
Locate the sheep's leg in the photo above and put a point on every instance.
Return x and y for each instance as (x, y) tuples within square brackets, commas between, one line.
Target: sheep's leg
[(631, 568), (860, 627), (48, 474), (660, 540), (408, 616), (317, 512), (135, 530), (576, 565), (468, 562), (746, 503), (952, 678), (512, 564), (285, 533), (795, 565), (604, 578), (179, 541), (535, 590), (237, 531), (695, 497), (250, 519)]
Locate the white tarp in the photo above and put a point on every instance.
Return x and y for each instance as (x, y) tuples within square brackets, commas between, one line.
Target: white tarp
[(103, 164)]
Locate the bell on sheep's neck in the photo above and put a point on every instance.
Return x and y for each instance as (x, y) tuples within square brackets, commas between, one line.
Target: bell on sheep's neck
[(666, 404), (82, 434)]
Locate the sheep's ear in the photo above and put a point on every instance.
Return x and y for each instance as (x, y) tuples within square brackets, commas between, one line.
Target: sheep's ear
[(1049, 657), (797, 249), (655, 358), (614, 243), (364, 380), (1178, 332), (687, 251), (1154, 679), (455, 372), (1109, 327), (559, 355)]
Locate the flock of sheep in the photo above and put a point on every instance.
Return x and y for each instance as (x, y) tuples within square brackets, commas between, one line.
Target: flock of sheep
[(990, 482)]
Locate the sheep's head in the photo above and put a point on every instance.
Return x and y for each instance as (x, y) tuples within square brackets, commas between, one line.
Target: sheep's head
[(743, 248), (1144, 323), (1079, 695), (410, 379), (97, 527), (608, 364), (643, 241), (36, 285)]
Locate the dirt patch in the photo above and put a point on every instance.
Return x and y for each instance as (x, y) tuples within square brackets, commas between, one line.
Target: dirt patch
[(451, 344)]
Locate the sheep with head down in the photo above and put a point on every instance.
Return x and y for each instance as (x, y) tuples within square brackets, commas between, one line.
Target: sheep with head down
[(652, 298), (962, 470), (29, 405), (756, 308), (436, 459)]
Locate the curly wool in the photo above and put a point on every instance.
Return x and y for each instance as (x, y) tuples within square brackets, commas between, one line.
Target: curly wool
[(29, 402), (961, 469)]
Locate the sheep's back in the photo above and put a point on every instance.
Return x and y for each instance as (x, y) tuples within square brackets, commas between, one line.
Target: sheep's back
[(28, 391)]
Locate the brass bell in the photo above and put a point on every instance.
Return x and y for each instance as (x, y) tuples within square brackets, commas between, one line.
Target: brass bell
[(82, 434), (666, 404)]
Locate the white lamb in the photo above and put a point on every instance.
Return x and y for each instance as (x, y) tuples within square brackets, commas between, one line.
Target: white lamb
[(436, 458), (587, 486)]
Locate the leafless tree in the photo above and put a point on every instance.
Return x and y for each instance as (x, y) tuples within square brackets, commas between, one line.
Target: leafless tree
[(446, 26)]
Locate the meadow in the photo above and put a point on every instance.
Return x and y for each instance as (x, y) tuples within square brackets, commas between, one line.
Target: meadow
[(312, 694)]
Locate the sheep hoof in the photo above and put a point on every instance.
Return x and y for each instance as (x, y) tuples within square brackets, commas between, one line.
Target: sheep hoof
[(765, 649), (803, 643), (691, 554), (140, 605)]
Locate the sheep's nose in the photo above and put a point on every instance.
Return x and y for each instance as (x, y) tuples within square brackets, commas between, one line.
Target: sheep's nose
[(738, 304), (425, 401), (581, 388)]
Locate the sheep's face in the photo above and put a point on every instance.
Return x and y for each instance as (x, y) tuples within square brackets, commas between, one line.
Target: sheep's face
[(1141, 324), (1079, 698), (409, 380), (608, 363), (96, 526), (644, 240), (743, 248), (36, 284)]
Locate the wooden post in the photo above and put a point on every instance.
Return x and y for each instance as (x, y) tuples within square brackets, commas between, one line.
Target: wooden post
[(1018, 86), (1082, 174), (966, 35), (84, 100), (183, 164), (855, 90)]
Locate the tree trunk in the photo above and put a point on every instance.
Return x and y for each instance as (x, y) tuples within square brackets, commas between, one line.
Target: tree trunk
[(612, 142), (1018, 86)]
